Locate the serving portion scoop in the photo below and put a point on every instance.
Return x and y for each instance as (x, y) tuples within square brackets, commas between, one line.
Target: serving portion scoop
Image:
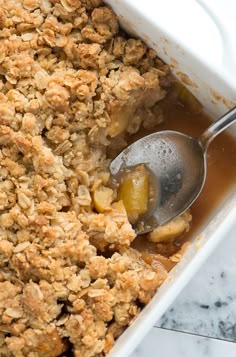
[(178, 163)]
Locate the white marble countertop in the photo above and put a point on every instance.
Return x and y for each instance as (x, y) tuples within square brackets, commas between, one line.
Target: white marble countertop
[(202, 320)]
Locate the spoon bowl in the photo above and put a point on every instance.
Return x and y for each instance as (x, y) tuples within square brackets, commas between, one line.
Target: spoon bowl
[(179, 165)]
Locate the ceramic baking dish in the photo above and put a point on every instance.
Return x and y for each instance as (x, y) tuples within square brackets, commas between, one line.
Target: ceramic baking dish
[(193, 39)]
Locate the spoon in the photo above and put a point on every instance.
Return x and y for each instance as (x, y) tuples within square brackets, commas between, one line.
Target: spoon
[(178, 162)]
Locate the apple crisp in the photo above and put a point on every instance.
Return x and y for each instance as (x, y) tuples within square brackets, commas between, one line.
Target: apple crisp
[(72, 87)]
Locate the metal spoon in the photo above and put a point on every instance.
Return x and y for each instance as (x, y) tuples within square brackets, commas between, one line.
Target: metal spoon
[(179, 163)]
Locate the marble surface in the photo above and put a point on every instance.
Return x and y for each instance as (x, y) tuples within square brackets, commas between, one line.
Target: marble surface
[(202, 320), (165, 343)]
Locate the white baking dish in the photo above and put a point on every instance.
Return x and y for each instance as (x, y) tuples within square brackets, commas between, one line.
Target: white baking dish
[(195, 41)]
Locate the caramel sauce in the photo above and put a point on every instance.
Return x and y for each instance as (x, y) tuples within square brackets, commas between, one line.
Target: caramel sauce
[(221, 172)]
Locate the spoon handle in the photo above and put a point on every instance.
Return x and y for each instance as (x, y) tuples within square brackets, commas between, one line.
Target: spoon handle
[(216, 128)]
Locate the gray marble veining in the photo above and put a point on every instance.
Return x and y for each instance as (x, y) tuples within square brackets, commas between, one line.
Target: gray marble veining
[(207, 306)]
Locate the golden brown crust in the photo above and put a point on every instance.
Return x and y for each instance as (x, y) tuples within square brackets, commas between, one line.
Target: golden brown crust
[(67, 77)]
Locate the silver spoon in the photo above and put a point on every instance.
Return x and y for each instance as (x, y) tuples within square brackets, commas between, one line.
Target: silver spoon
[(178, 162)]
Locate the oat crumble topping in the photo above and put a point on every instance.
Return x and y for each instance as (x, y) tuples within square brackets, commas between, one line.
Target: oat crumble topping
[(70, 83)]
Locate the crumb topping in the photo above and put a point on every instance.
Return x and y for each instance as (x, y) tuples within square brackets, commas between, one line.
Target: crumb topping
[(70, 82)]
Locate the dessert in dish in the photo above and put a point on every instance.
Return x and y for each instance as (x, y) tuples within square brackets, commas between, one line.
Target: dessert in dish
[(74, 90)]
